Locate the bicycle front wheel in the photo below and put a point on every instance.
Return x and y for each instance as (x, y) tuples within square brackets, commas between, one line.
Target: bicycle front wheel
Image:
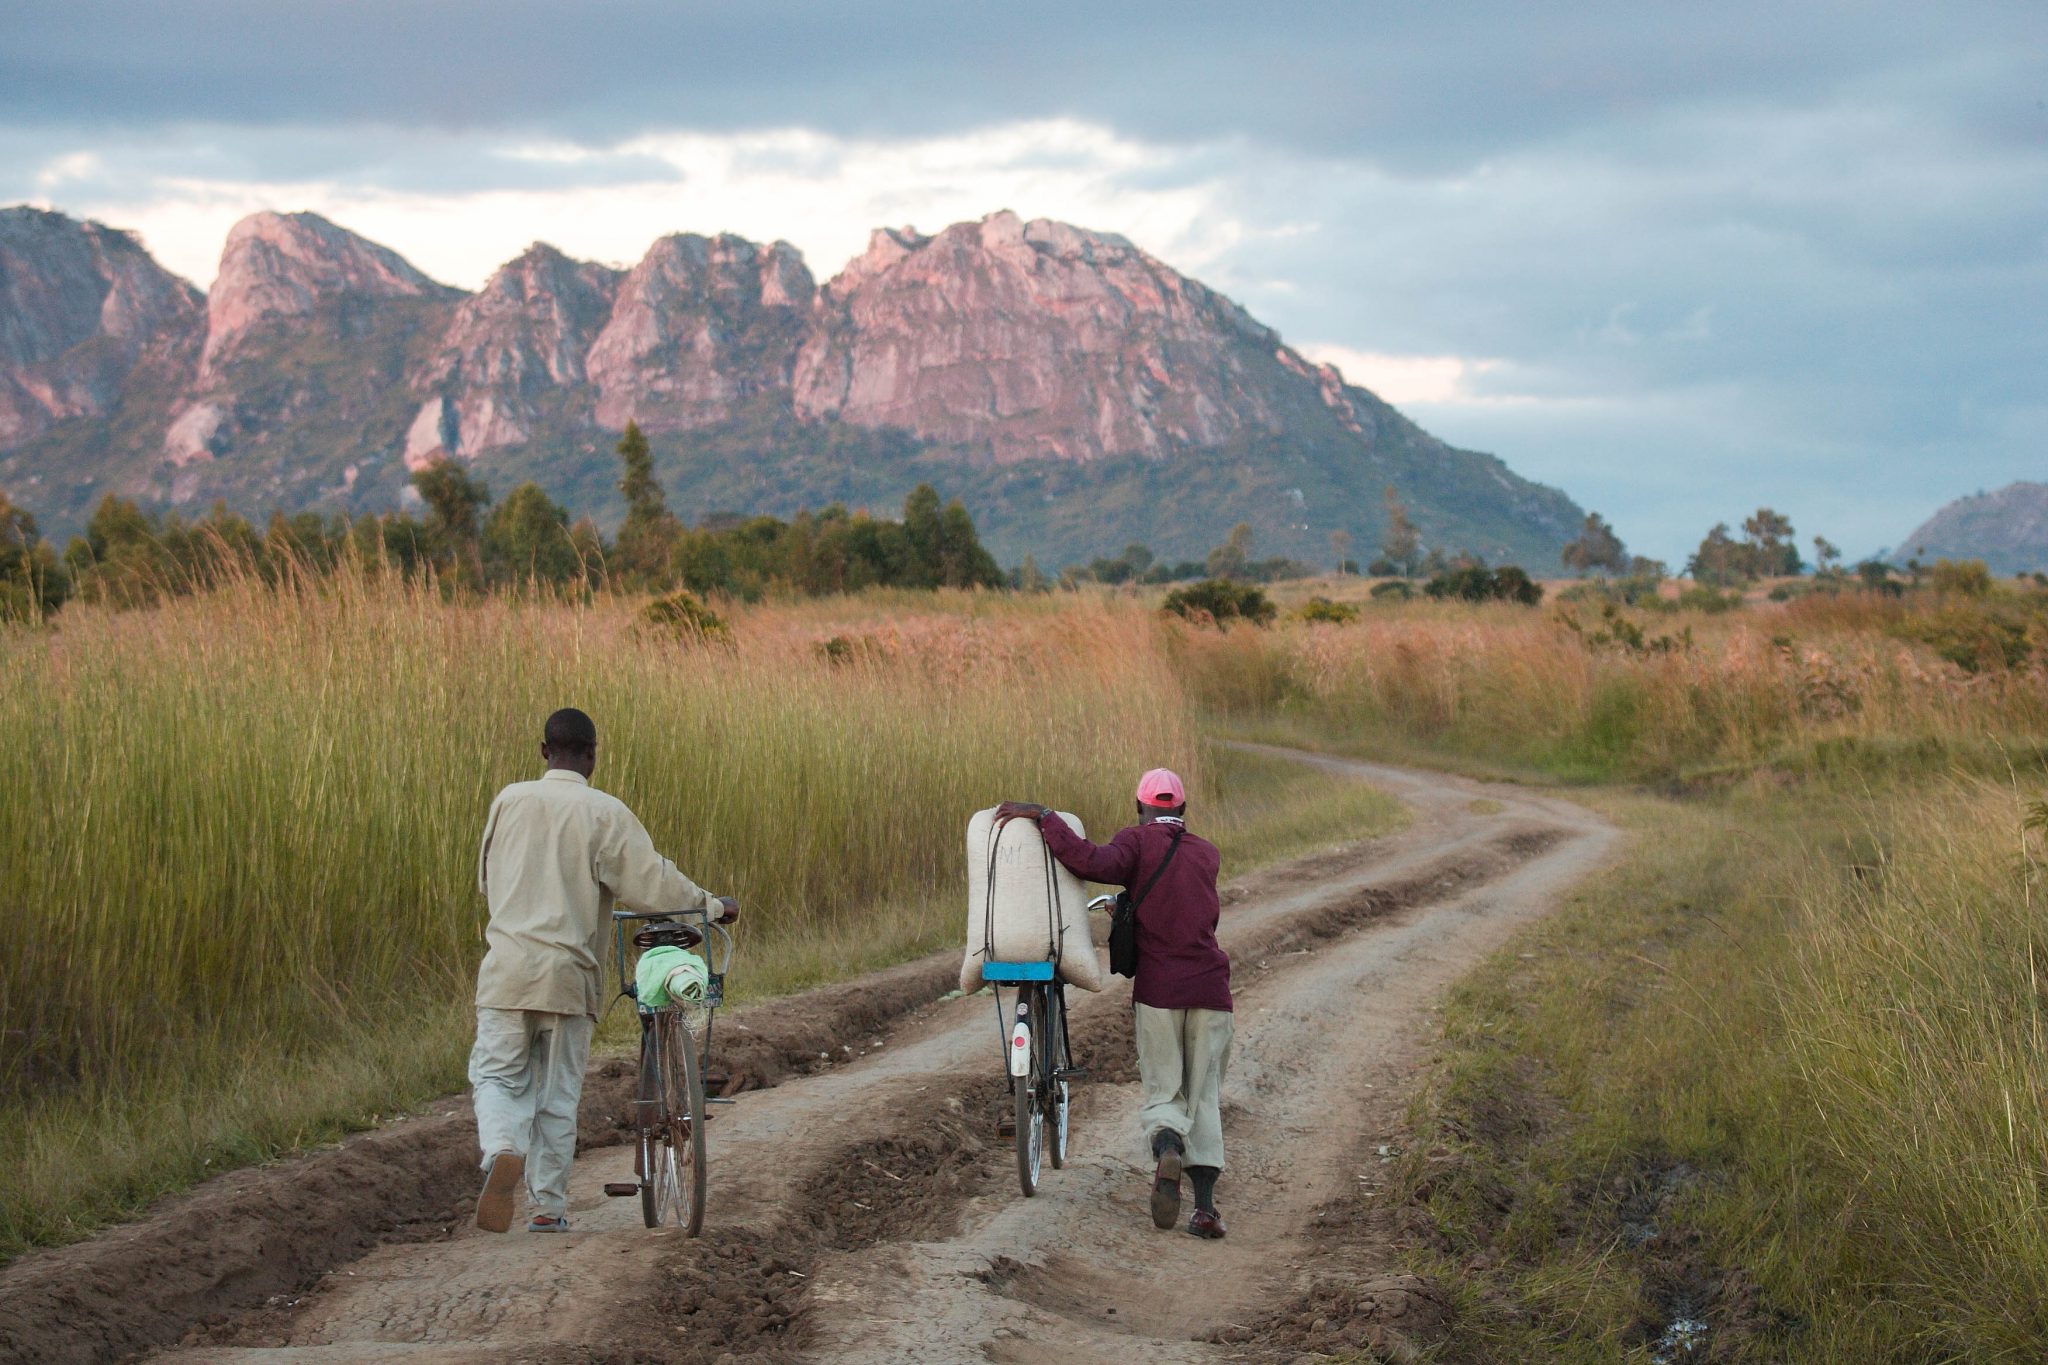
[(675, 1185), (1052, 1010), (1031, 1090)]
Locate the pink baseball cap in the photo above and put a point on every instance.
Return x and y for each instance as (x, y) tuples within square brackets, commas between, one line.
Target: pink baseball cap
[(1161, 787)]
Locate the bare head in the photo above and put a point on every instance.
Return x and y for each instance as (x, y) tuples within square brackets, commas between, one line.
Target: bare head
[(569, 742)]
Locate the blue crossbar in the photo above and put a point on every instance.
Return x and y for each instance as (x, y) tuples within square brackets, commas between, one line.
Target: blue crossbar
[(1016, 971)]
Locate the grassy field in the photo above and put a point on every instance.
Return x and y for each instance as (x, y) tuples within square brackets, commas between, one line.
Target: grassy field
[(1851, 683), (1779, 1073), (1772, 1085), (240, 854)]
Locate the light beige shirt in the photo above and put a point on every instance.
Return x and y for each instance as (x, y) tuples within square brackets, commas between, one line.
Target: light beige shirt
[(556, 853)]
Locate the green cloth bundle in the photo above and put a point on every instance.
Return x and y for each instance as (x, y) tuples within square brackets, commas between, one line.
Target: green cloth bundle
[(670, 976)]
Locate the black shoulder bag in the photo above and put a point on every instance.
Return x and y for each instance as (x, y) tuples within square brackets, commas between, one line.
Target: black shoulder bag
[(1123, 917)]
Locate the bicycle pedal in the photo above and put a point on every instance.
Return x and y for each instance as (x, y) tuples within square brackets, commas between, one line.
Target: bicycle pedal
[(1006, 1128), (1072, 1073), (622, 1189), (718, 1099)]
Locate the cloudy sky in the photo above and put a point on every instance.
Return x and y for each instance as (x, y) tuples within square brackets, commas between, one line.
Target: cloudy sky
[(1679, 259)]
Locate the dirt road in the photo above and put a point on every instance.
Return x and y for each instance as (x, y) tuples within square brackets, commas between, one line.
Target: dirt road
[(866, 1210)]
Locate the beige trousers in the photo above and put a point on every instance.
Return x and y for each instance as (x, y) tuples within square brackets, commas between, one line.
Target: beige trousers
[(526, 1074), (1182, 1055)]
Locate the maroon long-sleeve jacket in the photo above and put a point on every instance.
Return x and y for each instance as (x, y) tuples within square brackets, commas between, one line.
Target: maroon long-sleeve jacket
[(1180, 964)]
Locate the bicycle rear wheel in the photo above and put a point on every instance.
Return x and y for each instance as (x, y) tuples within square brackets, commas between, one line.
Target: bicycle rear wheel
[(672, 1128), (1030, 1092)]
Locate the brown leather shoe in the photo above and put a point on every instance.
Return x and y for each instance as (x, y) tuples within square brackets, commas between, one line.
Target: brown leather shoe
[(1206, 1224), (1166, 1189)]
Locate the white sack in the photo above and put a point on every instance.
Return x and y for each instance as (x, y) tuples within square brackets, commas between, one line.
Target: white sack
[(1024, 924)]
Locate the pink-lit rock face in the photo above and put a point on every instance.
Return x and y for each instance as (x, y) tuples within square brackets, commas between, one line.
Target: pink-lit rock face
[(699, 326), (80, 305), (282, 265), (525, 333), (1040, 339)]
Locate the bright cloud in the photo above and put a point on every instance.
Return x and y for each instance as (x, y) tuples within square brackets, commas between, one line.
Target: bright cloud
[(1404, 378), (822, 193)]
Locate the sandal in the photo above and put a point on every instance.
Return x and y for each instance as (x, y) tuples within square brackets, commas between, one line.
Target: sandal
[(501, 1183)]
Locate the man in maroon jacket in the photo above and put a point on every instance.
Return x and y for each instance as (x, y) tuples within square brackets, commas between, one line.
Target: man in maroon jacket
[(1181, 994)]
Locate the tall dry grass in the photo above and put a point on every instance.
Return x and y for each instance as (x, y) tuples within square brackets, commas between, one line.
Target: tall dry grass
[(239, 852), (1795, 1036), (1515, 688), (1912, 1004)]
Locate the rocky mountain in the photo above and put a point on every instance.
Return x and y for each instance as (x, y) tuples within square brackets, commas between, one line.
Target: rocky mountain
[(508, 349), (81, 307), (2007, 529), (701, 325), (1078, 393)]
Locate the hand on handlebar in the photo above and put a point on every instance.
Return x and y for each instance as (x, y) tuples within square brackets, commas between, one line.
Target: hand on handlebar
[(730, 912)]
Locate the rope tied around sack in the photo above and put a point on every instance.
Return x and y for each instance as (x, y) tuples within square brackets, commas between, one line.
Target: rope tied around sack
[(1055, 926)]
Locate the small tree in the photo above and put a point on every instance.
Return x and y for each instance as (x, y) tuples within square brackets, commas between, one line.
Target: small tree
[(1596, 548), (1877, 577), (455, 504), (32, 582), (960, 559), (1230, 559), (648, 538), (1401, 542), (1825, 555), (528, 537), (1340, 549), (1718, 562), (1773, 548)]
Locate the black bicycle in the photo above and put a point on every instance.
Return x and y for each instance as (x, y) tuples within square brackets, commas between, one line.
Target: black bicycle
[(1040, 1062), (670, 1110)]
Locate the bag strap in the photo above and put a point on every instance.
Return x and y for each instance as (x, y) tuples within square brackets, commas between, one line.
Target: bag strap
[(1158, 872)]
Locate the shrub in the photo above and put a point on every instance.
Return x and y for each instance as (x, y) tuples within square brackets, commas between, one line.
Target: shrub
[(682, 616), (1321, 610), (1477, 583), (1705, 599), (1963, 577), (1972, 638), (1398, 588), (1218, 600)]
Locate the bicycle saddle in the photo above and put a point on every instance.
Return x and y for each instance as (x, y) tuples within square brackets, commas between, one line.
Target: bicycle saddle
[(669, 936)]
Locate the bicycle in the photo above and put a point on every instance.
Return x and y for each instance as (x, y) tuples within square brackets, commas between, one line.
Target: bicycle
[(670, 1110), (1040, 1061)]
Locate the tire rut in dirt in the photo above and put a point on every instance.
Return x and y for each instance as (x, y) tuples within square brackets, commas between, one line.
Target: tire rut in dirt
[(1102, 1038), (267, 1234), (742, 1293), (745, 1294)]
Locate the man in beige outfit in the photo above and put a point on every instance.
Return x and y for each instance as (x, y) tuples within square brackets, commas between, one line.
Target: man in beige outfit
[(556, 854)]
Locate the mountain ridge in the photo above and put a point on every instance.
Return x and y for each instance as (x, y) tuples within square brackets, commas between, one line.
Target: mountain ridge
[(2006, 528), (1046, 372)]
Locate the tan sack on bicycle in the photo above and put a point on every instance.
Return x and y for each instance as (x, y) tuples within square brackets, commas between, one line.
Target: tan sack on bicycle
[(1040, 912)]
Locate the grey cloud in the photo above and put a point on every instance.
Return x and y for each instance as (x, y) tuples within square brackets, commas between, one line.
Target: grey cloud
[(1416, 83), (1792, 251)]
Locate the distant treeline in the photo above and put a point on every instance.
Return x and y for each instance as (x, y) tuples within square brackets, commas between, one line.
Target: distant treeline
[(128, 556)]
